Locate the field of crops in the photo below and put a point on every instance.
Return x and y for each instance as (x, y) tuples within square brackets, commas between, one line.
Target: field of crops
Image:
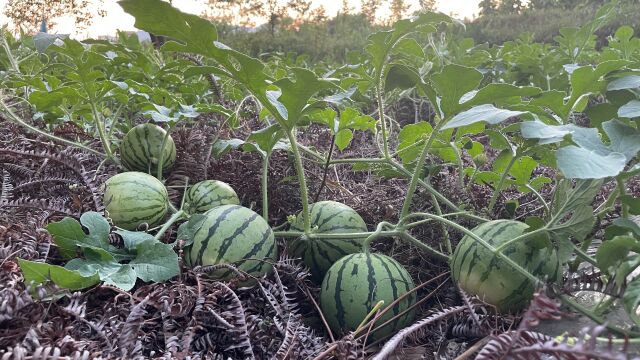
[(430, 198)]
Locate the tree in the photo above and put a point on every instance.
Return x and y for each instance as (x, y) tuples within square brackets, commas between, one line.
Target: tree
[(487, 7), (511, 6), (369, 9), (300, 8), (398, 9), (27, 15), (346, 8), (427, 5)]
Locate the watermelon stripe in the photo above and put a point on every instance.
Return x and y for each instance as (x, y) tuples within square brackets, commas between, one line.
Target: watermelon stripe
[(371, 279), (212, 230), (229, 239), (342, 252), (338, 294), (394, 288), (331, 217)]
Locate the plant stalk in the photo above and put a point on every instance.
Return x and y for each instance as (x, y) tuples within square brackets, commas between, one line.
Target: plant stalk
[(175, 217), (301, 180)]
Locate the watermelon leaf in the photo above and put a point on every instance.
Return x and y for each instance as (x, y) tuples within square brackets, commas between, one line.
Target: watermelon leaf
[(40, 273), (631, 299), (148, 259)]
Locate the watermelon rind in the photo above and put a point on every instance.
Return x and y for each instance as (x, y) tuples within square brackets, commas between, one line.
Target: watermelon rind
[(141, 148), (327, 217), (207, 195), (234, 235), (479, 272), (356, 283), (133, 198)]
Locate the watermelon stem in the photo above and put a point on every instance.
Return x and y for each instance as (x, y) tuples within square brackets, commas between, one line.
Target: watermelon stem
[(494, 197), (175, 217), (417, 173), (301, 180), (17, 120), (366, 245), (161, 157)]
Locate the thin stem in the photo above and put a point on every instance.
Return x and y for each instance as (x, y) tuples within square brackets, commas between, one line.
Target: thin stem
[(366, 245), (498, 189), (175, 217), (489, 247), (326, 168), (328, 236), (622, 192), (608, 204), (580, 253), (428, 249), (381, 117), (7, 49), (417, 173), (586, 312), (14, 118), (456, 151), (520, 238), (357, 160), (301, 180), (264, 181), (540, 197), (161, 155), (100, 126)]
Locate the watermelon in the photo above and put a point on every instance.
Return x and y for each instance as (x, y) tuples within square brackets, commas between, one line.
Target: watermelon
[(233, 234), (133, 198), (355, 284), (141, 149), (480, 273), (327, 217), (208, 194)]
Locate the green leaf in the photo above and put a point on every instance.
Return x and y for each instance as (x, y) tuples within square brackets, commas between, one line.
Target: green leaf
[(487, 113), (632, 202), (579, 163), (41, 273), (266, 138), (451, 84), (522, 169), (68, 234), (408, 137), (131, 239), (614, 251), (631, 300), (343, 138), (571, 213), (627, 82), (155, 261), (187, 230), (499, 93), (630, 109)]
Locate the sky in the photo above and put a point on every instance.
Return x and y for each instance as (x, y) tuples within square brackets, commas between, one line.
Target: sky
[(116, 19)]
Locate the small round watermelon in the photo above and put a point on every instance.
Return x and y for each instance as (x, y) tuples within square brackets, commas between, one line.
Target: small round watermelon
[(208, 194), (480, 273), (133, 198), (355, 284), (327, 217), (236, 235), (141, 149)]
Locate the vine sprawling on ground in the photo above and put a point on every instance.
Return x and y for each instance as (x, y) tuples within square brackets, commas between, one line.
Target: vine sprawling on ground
[(495, 184)]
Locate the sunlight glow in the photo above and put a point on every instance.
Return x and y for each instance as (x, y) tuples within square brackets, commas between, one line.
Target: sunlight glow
[(116, 19)]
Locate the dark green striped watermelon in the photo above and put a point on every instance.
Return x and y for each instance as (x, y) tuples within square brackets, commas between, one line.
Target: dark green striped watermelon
[(141, 148), (132, 198), (233, 234), (208, 194), (353, 286), (327, 217), (480, 273)]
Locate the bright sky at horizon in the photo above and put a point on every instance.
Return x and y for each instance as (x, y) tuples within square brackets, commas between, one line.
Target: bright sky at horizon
[(116, 19)]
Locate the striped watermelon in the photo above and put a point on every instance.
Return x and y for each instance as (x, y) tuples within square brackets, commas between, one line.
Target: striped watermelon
[(141, 148), (327, 217), (480, 273), (208, 194), (353, 286), (233, 234), (133, 198)]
